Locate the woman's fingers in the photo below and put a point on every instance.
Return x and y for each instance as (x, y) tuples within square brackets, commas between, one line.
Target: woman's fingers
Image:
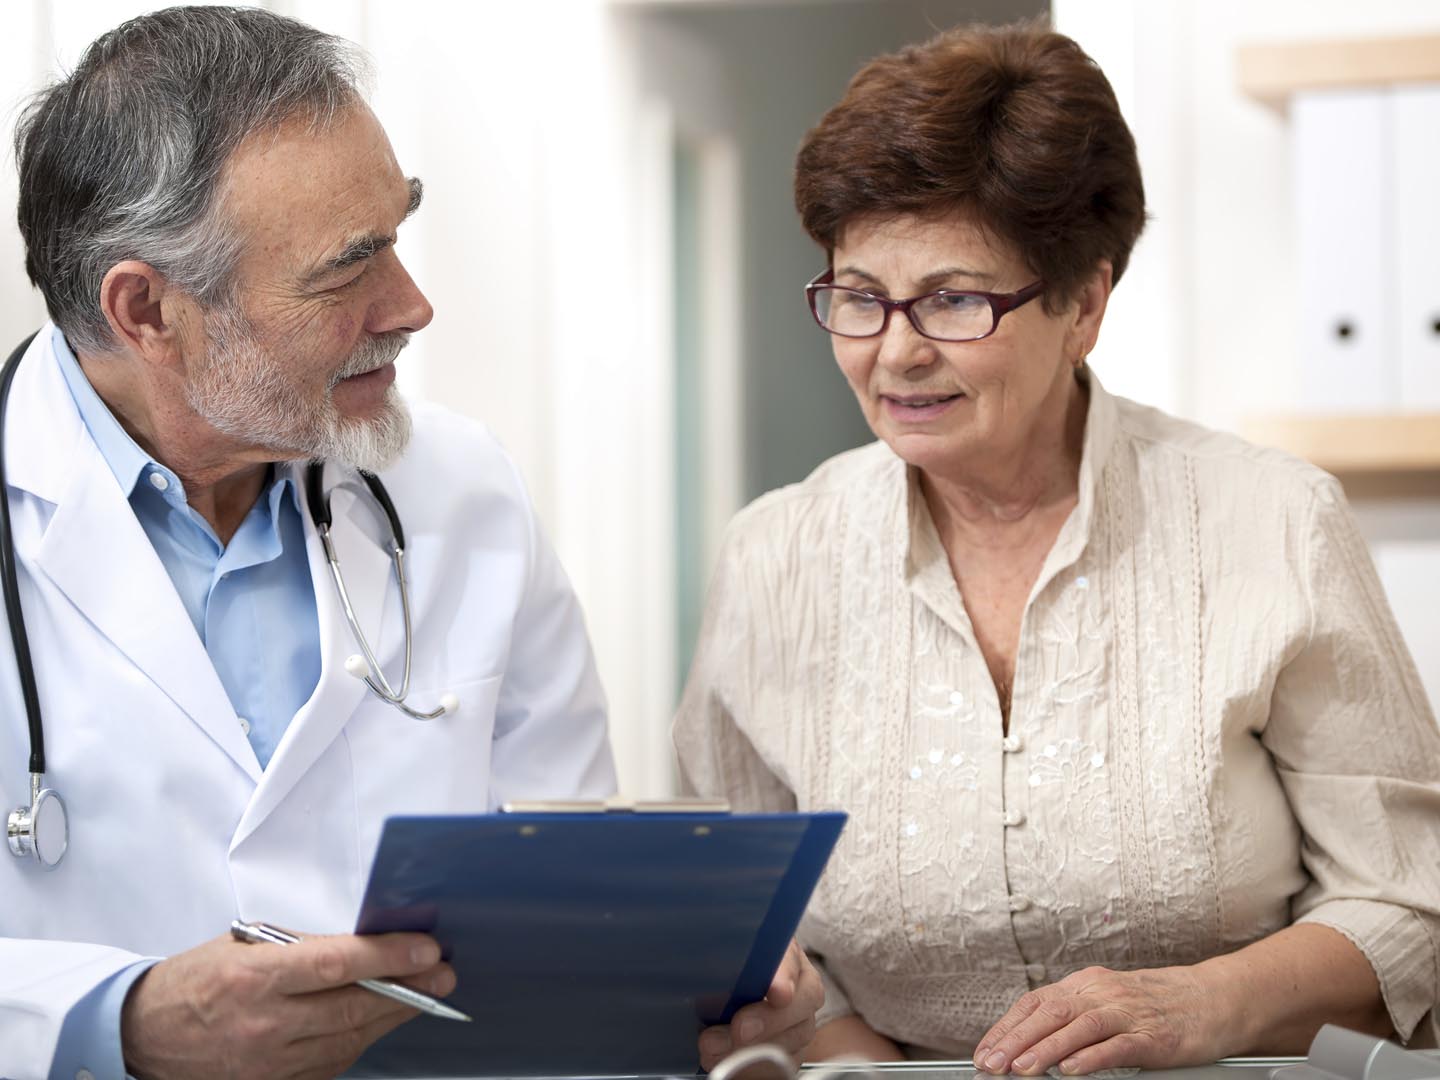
[(1017, 1014), (1091, 1025), (786, 1016), (1117, 1052)]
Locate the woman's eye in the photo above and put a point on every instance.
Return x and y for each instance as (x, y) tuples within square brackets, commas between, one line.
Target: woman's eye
[(856, 301)]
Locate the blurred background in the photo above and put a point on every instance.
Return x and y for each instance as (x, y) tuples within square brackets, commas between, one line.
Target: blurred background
[(642, 149)]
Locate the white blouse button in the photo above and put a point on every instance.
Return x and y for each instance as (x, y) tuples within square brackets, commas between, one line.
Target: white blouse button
[(1019, 903), (1082, 582), (957, 698), (158, 481), (1014, 817), (1011, 743), (244, 725), (1035, 972)]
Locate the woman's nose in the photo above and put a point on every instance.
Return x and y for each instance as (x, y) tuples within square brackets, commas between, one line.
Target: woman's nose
[(902, 347)]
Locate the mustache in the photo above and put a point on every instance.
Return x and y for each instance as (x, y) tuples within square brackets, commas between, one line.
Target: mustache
[(374, 353)]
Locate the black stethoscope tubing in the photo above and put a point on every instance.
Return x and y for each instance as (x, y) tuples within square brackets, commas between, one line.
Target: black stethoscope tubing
[(20, 641), (319, 502)]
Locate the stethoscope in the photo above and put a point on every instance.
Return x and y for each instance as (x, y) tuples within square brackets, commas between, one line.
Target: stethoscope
[(42, 830)]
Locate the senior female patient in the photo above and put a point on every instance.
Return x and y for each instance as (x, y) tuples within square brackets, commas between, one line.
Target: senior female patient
[(1139, 770)]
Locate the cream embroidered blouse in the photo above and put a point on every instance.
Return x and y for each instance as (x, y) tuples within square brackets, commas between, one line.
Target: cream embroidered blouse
[(1216, 730)]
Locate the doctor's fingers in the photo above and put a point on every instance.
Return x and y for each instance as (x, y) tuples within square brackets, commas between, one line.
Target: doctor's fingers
[(324, 1056), (354, 1008), (321, 963)]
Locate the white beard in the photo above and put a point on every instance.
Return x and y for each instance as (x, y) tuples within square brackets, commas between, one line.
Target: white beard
[(242, 390)]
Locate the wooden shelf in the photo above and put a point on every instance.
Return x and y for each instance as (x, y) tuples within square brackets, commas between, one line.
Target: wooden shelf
[(1272, 72), (1406, 443)]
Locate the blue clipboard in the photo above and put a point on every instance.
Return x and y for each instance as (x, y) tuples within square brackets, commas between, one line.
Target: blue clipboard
[(590, 944)]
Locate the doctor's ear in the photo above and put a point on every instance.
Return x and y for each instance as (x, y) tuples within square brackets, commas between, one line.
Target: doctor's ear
[(133, 296)]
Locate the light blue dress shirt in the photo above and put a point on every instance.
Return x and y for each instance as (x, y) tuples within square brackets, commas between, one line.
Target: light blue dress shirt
[(253, 605)]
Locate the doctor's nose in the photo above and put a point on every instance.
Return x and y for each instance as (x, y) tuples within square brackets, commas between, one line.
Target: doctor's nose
[(402, 307)]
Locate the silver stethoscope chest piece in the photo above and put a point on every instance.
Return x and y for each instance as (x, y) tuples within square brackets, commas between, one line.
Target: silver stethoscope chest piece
[(41, 829)]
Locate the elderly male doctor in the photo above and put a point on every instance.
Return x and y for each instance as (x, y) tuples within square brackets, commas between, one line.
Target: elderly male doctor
[(210, 211)]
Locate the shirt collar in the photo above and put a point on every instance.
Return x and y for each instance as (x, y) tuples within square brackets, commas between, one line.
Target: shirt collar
[(927, 556), (122, 453), (128, 461)]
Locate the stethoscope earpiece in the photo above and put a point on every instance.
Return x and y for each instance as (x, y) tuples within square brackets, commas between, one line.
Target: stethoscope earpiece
[(356, 665)]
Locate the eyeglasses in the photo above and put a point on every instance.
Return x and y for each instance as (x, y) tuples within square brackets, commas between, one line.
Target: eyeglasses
[(947, 315)]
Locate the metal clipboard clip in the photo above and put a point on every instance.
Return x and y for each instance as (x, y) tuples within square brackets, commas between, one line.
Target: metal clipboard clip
[(616, 805)]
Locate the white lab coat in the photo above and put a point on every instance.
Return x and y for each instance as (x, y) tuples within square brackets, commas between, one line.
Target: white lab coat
[(174, 828)]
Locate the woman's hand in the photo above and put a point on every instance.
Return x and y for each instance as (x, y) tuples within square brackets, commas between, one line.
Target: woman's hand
[(1101, 1019), (786, 1017)]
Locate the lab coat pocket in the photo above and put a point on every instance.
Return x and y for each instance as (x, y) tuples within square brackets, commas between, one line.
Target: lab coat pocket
[(407, 766)]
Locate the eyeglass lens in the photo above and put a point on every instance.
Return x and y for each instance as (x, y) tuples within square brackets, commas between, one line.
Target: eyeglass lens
[(952, 316)]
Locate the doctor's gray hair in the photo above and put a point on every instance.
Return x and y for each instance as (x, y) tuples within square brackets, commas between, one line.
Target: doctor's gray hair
[(125, 158)]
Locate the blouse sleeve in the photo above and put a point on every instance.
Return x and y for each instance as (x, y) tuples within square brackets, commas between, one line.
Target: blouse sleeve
[(716, 758), (1358, 752)]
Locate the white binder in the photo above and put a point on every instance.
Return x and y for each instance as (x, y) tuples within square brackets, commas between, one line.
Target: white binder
[(1342, 159), (1415, 130)]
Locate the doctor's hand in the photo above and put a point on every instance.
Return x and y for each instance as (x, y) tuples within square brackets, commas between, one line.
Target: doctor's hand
[(226, 1010), (786, 1017)]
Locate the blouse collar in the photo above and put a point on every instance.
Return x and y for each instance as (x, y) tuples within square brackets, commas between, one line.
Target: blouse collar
[(927, 567)]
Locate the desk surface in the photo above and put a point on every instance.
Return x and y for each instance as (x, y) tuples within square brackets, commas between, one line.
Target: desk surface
[(1230, 1069), (1252, 1068)]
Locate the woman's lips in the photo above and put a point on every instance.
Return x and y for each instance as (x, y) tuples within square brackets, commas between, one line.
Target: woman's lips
[(918, 408)]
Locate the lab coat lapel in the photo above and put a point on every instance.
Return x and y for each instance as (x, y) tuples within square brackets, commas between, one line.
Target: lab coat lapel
[(96, 552), (362, 543)]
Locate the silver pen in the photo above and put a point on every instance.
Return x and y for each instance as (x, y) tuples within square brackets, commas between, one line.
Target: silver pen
[(256, 933)]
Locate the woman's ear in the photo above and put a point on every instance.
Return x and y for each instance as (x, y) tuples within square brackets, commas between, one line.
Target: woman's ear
[(1091, 299)]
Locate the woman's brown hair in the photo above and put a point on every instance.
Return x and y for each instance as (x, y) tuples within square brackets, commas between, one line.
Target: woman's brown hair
[(1013, 126)]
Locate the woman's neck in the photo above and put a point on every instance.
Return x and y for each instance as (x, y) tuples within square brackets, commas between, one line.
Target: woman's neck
[(1007, 497)]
